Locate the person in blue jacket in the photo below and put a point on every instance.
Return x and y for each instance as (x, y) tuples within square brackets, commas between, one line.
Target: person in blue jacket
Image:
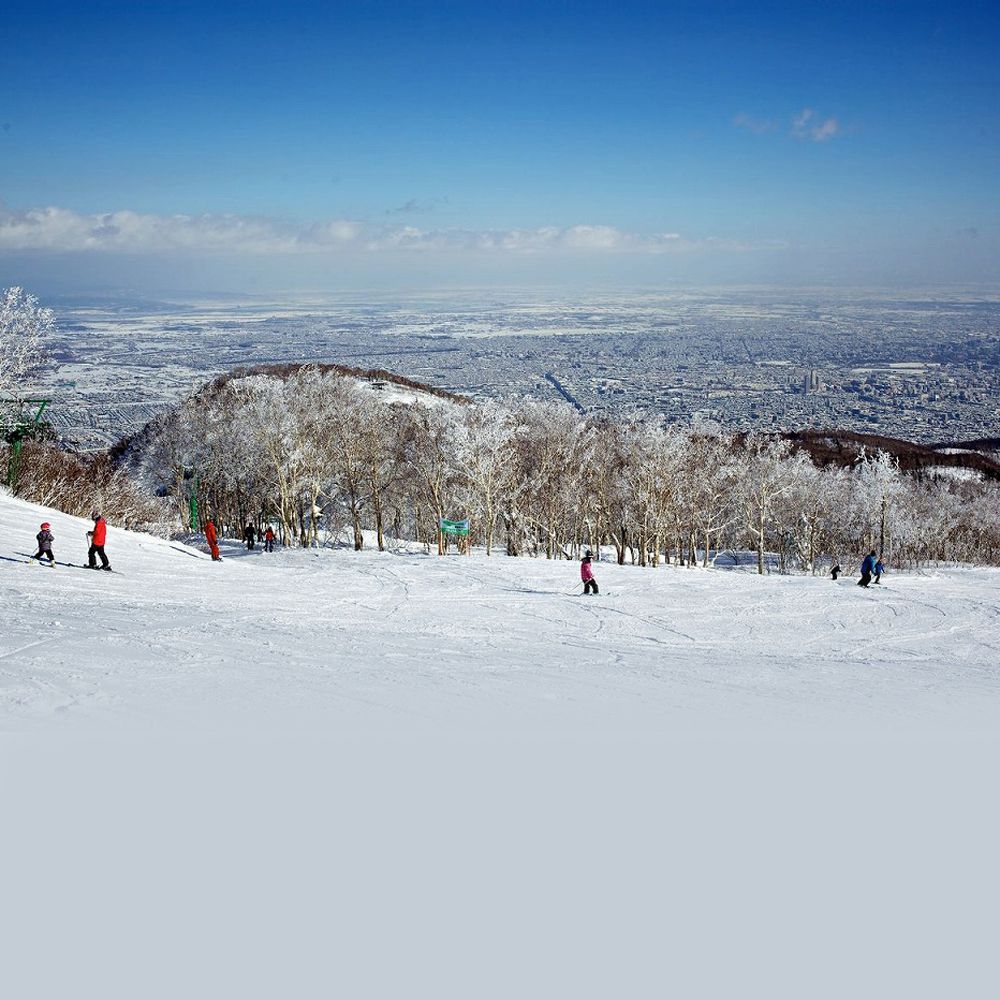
[(879, 570), (867, 568)]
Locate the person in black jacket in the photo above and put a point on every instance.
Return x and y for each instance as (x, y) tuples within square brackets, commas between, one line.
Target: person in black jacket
[(249, 536), (45, 538)]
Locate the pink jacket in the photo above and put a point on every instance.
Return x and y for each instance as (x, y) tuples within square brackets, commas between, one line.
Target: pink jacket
[(586, 573)]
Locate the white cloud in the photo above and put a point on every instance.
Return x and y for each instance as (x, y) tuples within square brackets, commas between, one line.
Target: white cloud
[(806, 125), (61, 230)]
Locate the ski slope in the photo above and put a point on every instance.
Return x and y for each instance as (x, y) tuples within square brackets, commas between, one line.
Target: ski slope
[(395, 775), (338, 641)]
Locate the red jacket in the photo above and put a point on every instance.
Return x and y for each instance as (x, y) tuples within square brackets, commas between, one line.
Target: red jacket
[(210, 536), (586, 573), (100, 532)]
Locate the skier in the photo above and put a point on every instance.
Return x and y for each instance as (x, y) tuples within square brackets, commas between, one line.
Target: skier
[(211, 536), (836, 571), (249, 536), (97, 539), (867, 568), (587, 574), (879, 570), (269, 539), (45, 539)]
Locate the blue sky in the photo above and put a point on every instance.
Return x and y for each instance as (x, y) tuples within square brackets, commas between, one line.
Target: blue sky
[(383, 141)]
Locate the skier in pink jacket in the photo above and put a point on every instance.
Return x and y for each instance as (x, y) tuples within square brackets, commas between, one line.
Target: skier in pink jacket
[(587, 574)]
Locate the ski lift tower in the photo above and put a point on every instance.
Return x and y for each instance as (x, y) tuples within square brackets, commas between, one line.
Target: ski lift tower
[(18, 428)]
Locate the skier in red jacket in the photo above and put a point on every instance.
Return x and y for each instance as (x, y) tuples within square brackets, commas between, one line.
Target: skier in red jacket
[(213, 539), (97, 539)]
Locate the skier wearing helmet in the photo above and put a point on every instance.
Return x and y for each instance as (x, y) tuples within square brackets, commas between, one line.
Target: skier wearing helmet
[(45, 539), (97, 538)]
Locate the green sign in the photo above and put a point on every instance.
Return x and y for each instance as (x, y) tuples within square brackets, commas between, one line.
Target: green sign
[(454, 527)]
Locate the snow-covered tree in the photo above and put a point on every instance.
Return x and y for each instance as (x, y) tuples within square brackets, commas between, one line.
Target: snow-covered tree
[(486, 461), (880, 486), (428, 448), (23, 325), (765, 477)]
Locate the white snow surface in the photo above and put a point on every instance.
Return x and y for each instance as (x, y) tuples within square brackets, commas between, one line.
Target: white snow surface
[(339, 641)]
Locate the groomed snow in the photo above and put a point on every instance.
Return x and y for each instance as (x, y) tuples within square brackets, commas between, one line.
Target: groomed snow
[(338, 641)]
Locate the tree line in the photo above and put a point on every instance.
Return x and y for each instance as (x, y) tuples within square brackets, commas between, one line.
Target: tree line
[(323, 456)]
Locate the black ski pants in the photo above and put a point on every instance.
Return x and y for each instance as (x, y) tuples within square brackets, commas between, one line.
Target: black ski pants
[(93, 552), (590, 587), (866, 578), (44, 552)]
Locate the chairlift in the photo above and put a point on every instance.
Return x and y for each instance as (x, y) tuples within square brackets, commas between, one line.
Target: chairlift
[(19, 428)]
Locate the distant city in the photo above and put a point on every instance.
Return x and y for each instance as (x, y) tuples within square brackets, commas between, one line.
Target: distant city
[(925, 368)]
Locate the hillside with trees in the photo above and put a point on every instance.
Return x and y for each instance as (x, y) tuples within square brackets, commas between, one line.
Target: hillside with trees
[(325, 453)]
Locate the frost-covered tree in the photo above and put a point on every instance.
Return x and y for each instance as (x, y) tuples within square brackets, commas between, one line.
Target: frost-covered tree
[(554, 444), (764, 478), (428, 447), (814, 510), (485, 456), (711, 481), (23, 325), (880, 487)]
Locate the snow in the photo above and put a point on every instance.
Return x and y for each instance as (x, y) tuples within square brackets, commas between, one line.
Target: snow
[(398, 775), (403, 641)]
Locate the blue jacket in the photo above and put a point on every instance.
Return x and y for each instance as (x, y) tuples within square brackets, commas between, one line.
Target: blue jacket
[(868, 566)]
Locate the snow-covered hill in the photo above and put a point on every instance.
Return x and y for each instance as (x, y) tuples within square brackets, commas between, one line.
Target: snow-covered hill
[(336, 640)]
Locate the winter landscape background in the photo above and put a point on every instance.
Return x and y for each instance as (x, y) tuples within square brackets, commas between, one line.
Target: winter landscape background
[(674, 236)]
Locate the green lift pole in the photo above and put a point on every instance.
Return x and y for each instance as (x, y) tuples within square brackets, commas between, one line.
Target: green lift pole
[(22, 428)]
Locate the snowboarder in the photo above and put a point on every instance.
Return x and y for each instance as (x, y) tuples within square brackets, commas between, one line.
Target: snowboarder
[(269, 539), (836, 571), (97, 538), (249, 536), (867, 568), (45, 539), (212, 537), (587, 574), (879, 570)]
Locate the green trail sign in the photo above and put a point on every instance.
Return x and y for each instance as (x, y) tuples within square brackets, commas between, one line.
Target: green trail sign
[(454, 527)]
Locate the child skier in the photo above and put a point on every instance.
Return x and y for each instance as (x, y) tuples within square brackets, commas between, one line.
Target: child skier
[(45, 539), (269, 539), (587, 574), (97, 538), (879, 570)]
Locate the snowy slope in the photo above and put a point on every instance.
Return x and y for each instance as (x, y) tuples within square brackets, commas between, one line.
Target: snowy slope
[(342, 641)]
